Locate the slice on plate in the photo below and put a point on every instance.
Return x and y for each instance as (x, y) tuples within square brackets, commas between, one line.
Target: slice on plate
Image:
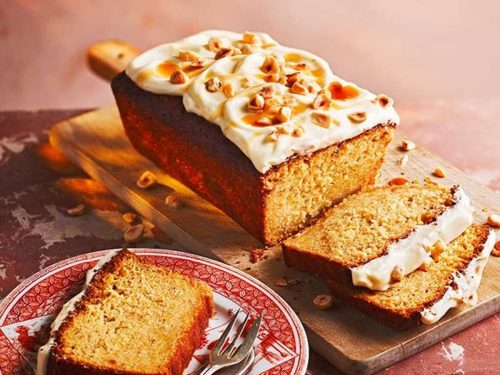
[(132, 317), (378, 236), (425, 296)]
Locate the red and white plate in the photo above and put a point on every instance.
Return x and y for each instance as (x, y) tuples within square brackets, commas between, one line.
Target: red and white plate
[(26, 313)]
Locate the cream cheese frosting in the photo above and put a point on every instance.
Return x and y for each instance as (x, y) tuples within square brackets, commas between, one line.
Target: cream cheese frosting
[(408, 254), (222, 73), (45, 350), (466, 285)]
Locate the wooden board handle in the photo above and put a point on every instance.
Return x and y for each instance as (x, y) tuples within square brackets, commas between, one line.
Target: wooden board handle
[(110, 57)]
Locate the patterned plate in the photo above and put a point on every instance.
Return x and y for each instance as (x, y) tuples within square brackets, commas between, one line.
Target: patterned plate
[(26, 313)]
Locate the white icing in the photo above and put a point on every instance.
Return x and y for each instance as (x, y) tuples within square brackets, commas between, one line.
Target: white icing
[(409, 253), (466, 282), (228, 113), (45, 350)]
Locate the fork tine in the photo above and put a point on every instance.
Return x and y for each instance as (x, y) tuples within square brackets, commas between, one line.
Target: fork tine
[(249, 338), (238, 334), (220, 342)]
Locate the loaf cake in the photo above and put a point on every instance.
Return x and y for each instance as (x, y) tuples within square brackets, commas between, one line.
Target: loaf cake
[(132, 317), (425, 296), (377, 236), (266, 133)]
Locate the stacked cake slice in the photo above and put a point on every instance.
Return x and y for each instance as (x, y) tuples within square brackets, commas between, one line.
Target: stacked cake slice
[(400, 253)]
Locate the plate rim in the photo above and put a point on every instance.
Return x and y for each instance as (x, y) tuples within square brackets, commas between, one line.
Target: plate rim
[(10, 299)]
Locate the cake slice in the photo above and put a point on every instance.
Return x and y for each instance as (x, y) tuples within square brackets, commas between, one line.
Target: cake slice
[(376, 237), (266, 133), (132, 317), (426, 295)]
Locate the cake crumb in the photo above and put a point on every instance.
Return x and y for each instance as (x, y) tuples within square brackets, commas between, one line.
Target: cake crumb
[(439, 172), (257, 255), (494, 220), (323, 301), (78, 210)]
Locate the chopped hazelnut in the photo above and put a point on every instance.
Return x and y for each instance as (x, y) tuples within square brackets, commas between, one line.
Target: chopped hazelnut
[(403, 161), (228, 90), (397, 181), (321, 102), (214, 44), (426, 264), (496, 249), (198, 64), (294, 77), (223, 52), (270, 65), (188, 56), (321, 119), (281, 282), (178, 77), (250, 38), (134, 234), (173, 201), (246, 49), (397, 273), (77, 210), (213, 84), (272, 137), (313, 87), (146, 180), (298, 132), (437, 249), (284, 114), (298, 88), (323, 301), (407, 145), (129, 217), (494, 220), (264, 121), (273, 105), (300, 66), (256, 103), (268, 92), (438, 172), (383, 100), (357, 117)]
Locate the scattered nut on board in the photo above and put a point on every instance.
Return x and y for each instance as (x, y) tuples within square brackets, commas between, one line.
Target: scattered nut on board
[(439, 172), (496, 249), (494, 220), (407, 145), (146, 180), (323, 301), (134, 234), (173, 201), (78, 210), (398, 181), (281, 282), (129, 217), (403, 161)]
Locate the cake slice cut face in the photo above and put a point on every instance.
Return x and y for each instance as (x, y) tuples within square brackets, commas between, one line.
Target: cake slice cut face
[(266, 133), (426, 295), (376, 237), (132, 318)]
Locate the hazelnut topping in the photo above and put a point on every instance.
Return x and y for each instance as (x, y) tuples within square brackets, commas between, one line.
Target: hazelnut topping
[(321, 102), (383, 100), (256, 103), (357, 117), (298, 88), (246, 49), (321, 119), (284, 114), (178, 77), (213, 84), (228, 90), (268, 92), (223, 52), (188, 56), (250, 38), (214, 44), (270, 66)]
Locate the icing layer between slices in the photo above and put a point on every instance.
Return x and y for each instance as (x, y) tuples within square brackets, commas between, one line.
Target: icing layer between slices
[(408, 254), (221, 87), (45, 350), (466, 282)]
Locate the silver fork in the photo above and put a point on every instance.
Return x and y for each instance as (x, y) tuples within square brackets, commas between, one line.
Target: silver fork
[(223, 356)]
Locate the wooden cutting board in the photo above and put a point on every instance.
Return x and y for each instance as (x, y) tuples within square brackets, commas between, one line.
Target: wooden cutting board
[(352, 341)]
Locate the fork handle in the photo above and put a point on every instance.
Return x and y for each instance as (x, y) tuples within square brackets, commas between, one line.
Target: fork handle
[(210, 369)]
